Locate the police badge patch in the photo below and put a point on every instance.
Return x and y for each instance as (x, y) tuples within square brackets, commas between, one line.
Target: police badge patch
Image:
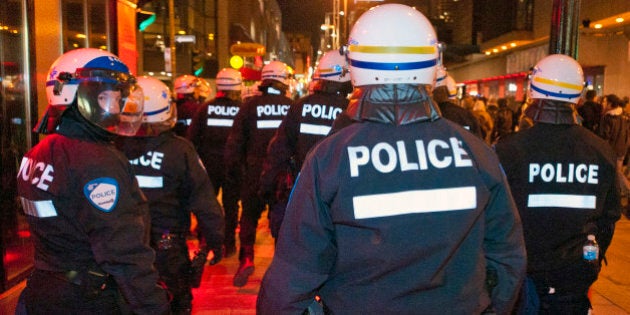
[(102, 193)]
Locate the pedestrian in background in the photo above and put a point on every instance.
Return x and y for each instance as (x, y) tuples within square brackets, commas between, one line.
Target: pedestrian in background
[(87, 216), (175, 183), (402, 212), (590, 111), (246, 149), (563, 179), (209, 131)]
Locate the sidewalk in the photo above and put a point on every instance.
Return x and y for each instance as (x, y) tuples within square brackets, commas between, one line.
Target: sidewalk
[(217, 295)]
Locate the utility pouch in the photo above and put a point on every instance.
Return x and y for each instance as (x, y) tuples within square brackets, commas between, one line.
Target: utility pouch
[(93, 283)]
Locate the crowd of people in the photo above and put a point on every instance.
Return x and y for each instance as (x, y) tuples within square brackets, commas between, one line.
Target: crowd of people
[(385, 192)]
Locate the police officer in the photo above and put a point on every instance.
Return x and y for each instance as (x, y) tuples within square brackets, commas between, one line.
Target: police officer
[(186, 95), (402, 212), (445, 95), (246, 147), (87, 216), (208, 131), (563, 181), (306, 123), (174, 180)]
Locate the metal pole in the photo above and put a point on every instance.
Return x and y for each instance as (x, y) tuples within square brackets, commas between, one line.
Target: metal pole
[(171, 20), (565, 17)]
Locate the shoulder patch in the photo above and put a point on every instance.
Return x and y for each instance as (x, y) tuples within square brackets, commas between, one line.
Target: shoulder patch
[(102, 193)]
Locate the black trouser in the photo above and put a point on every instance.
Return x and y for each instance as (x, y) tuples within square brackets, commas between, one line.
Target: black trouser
[(49, 293), (173, 265), (230, 191)]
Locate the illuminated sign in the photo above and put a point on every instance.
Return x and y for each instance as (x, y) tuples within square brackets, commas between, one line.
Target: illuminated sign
[(248, 49)]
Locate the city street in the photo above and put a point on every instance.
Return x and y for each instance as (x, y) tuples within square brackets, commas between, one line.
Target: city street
[(613, 284)]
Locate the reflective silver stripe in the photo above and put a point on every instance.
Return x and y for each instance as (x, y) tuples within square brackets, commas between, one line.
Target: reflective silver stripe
[(414, 201), (266, 124), (562, 201), (220, 122), (314, 129), (39, 208), (150, 181)]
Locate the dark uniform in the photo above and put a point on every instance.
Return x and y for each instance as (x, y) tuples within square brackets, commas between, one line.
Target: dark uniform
[(170, 174), (209, 131), (307, 122), (398, 214), (88, 220), (562, 177), (187, 106), (246, 147)]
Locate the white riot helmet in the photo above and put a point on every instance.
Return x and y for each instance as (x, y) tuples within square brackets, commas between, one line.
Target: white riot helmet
[(392, 44), (186, 84), (557, 77), (229, 79), (333, 67), (444, 79), (102, 87), (160, 114), (277, 71)]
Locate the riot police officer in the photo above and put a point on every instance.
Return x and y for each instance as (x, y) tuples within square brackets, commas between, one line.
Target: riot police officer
[(307, 122), (246, 148), (87, 215), (186, 95), (174, 180), (563, 181), (209, 131), (402, 212)]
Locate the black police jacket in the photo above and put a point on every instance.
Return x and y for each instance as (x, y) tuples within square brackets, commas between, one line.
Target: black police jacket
[(174, 180), (306, 123), (84, 209), (398, 214), (254, 126), (210, 128), (563, 179)]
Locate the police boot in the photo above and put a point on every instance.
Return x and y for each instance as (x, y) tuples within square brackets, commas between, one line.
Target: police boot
[(246, 267)]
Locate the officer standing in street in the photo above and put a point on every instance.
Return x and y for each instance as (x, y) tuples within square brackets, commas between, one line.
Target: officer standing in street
[(87, 215), (186, 95), (174, 180), (402, 212), (209, 131), (563, 178), (246, 148), (306, 123)]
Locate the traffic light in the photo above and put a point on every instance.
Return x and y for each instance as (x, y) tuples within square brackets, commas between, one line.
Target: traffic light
[(144, 19)]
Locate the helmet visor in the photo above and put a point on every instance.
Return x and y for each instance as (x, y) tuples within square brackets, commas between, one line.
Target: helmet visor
[(111, 101)]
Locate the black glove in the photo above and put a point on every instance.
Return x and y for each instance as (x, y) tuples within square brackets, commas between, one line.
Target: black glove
[(196, 267), (218, 255)]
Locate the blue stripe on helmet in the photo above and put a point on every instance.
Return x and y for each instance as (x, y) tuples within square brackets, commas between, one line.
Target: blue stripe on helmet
[(393, 65), (155, 112), (107, 62), (329, 74), (559, 95)]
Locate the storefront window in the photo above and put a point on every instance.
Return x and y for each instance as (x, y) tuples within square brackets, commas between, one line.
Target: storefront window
[(84, 24), (17, 250)]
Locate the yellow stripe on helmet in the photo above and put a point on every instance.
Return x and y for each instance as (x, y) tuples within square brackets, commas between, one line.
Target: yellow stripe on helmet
[(423, 50), (560, 84)]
